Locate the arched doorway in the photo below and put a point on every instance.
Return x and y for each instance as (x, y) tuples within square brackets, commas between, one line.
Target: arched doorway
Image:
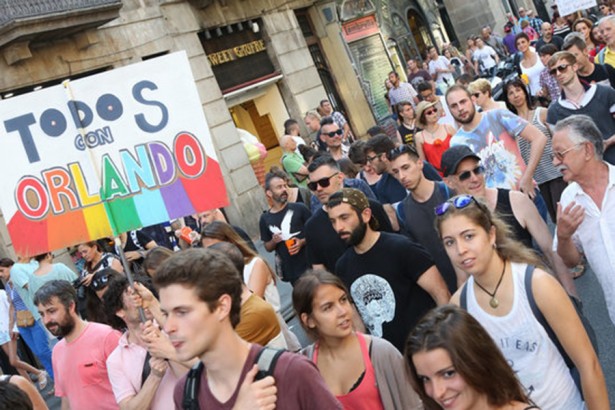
[(420, 31)]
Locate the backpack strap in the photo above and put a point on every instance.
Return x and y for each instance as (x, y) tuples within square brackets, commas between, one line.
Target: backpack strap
[(147, 369), (463, 298), (529, 273), (266, 360), (191, 388)]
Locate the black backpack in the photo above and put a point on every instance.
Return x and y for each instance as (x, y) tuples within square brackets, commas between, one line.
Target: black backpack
[(266, 360), (529, 272)]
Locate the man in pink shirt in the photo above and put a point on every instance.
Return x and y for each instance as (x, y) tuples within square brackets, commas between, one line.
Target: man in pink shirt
[(79, 359), (137, 383)]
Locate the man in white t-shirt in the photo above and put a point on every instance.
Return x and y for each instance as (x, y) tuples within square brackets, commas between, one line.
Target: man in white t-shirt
[(485, 58), (441, 69)]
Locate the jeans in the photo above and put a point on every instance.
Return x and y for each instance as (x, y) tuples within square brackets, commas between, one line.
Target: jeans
[(541, 205), (37, 340)]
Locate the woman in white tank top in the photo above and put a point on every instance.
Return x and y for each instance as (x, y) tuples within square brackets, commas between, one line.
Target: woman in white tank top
[(530, 63), (478, 243), (257, 274)]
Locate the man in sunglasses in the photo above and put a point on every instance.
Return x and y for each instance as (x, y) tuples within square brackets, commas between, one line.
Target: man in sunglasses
[(415, 212), (327, 110), (331, 135), (324, 247), (595, 101), (464, 173), (393, 281), (491, 136)]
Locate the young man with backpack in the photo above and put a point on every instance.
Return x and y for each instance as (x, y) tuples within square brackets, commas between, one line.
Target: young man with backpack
[(202, 302)]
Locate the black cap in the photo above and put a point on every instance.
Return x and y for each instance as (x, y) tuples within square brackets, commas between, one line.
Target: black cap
[(453, 156)]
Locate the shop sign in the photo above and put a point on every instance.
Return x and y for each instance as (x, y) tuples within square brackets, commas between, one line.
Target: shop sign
[(360, 28), (237, 58)]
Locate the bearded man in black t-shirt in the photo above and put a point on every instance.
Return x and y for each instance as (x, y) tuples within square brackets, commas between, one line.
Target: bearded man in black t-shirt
[(392, 280), (281, 228)]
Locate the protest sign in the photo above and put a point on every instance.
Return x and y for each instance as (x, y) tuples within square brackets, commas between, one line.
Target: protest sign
[(566, 7), (105, 154)]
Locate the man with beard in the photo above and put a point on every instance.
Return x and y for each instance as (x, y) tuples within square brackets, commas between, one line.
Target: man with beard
[(282, 228), (464, 173), (324, 245), (415, 213), (78, 360), (392, 280), (491, 135)]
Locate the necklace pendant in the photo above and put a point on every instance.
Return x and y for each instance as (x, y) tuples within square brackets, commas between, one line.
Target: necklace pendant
[(494, 303)]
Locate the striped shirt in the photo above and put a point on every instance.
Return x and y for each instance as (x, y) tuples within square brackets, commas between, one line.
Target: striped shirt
[(545, 171), (17, 301)]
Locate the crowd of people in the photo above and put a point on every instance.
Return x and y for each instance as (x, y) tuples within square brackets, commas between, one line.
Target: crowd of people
[(422, 264)]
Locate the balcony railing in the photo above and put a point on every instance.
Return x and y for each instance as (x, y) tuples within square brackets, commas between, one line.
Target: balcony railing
[(22, 20)]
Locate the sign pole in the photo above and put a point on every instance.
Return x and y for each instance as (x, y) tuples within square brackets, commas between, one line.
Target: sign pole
[(118, 246)]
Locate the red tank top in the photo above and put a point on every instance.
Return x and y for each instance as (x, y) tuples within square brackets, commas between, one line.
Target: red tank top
[(366, 395), (433, 152)]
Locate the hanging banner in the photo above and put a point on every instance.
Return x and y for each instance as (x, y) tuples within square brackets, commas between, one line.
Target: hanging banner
[(105, 154)]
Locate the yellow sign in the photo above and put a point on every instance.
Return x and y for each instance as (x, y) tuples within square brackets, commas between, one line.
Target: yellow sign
[(235, 53)]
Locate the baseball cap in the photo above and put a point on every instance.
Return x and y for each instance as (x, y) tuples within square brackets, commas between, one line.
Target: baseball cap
[(453, 156), (355, 199)]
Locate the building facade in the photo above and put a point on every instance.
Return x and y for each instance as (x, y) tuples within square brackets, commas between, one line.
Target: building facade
[(255, 64)]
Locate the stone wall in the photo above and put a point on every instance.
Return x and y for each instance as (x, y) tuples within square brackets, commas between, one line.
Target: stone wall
[(150, 27)]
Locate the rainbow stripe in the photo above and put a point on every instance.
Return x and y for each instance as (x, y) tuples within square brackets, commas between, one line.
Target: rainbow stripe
[(183, 196)]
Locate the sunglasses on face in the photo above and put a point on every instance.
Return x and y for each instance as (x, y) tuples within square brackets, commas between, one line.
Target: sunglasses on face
[(334, 133), (100, 282), (429, 112), (561, 68), (465, 175), (459, 202), (476, 95), (323, 182)]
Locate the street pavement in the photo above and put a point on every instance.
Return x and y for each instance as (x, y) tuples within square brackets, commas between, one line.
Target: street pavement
[(590, 292)]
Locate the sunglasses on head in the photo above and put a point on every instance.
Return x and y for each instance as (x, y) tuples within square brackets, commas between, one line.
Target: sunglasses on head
[(561, 68), (402, 149), (334, 133), (100, 282), (323, 182), (459, 202), (465, 175)]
